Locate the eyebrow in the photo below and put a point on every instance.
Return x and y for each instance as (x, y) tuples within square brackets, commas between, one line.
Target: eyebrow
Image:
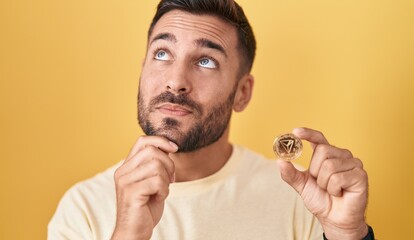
[(202, 42), (164, 36)]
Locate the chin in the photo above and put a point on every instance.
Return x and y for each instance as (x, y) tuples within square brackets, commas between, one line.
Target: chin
[(173, 135)]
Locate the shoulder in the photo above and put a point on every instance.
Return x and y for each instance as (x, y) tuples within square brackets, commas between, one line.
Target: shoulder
[(80, 209), (94, 188)]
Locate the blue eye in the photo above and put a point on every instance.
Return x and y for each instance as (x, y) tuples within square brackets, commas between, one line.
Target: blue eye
[(207, 63), (161, 55)]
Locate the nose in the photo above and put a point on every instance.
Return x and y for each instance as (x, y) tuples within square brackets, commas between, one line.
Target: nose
[(178, 79)]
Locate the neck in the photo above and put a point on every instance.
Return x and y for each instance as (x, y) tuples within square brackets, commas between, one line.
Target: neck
[(202, 162)]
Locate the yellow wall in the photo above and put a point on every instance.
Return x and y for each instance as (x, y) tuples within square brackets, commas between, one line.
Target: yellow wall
[(69, 73)]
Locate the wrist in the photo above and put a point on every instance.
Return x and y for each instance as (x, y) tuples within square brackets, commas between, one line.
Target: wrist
[(125, 235), (358, 233), (369, 236)]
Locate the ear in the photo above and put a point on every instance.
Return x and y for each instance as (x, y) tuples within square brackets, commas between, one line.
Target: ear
[(243, 93)]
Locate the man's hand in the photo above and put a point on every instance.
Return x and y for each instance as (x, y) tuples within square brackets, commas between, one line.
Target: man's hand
[(334, 188), (142, 183)]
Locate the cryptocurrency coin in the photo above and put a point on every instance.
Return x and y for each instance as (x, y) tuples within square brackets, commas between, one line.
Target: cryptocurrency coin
[(287, 147)]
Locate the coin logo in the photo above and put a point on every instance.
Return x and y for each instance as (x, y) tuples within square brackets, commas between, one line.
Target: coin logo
[(287, 147)]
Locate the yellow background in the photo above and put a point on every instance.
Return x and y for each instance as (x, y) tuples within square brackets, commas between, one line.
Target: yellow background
[(69, 76)]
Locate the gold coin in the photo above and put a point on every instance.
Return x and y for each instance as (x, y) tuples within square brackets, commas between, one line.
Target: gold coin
[(287, 147)]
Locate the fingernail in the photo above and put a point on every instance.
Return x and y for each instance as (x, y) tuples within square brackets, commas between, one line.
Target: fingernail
[(174, 145), (298, 130)]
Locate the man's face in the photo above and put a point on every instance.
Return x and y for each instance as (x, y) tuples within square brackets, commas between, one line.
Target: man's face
[(189, 79)]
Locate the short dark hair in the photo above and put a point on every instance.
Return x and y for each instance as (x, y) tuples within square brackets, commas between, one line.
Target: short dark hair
[(227, 10)]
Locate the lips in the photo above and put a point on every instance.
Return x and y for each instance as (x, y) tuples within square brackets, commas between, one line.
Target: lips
[(173, 109)]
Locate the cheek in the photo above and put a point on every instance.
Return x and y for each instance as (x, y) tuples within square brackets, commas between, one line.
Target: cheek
[(145, 94), (149, 85), (213, 91), (152, 75)]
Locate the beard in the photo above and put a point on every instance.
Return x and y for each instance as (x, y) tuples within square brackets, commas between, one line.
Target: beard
[(205, 130)]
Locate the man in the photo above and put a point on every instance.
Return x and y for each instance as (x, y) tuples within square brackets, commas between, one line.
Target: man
[(184, 180)]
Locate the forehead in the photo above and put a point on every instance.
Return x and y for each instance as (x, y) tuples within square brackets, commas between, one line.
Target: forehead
[(191, 26)]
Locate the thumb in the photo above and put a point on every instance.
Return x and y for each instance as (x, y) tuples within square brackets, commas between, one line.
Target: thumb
[(292, 176)]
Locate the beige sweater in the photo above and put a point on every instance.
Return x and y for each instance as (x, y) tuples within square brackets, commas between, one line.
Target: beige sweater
[(246, 199)]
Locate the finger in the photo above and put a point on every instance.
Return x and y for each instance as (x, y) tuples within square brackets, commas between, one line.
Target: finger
[(323, 152), (154, 186), (310, 135), (145, 171), (355, 180), (291, 175), (149, 153), (157, 141), (330, 167)]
